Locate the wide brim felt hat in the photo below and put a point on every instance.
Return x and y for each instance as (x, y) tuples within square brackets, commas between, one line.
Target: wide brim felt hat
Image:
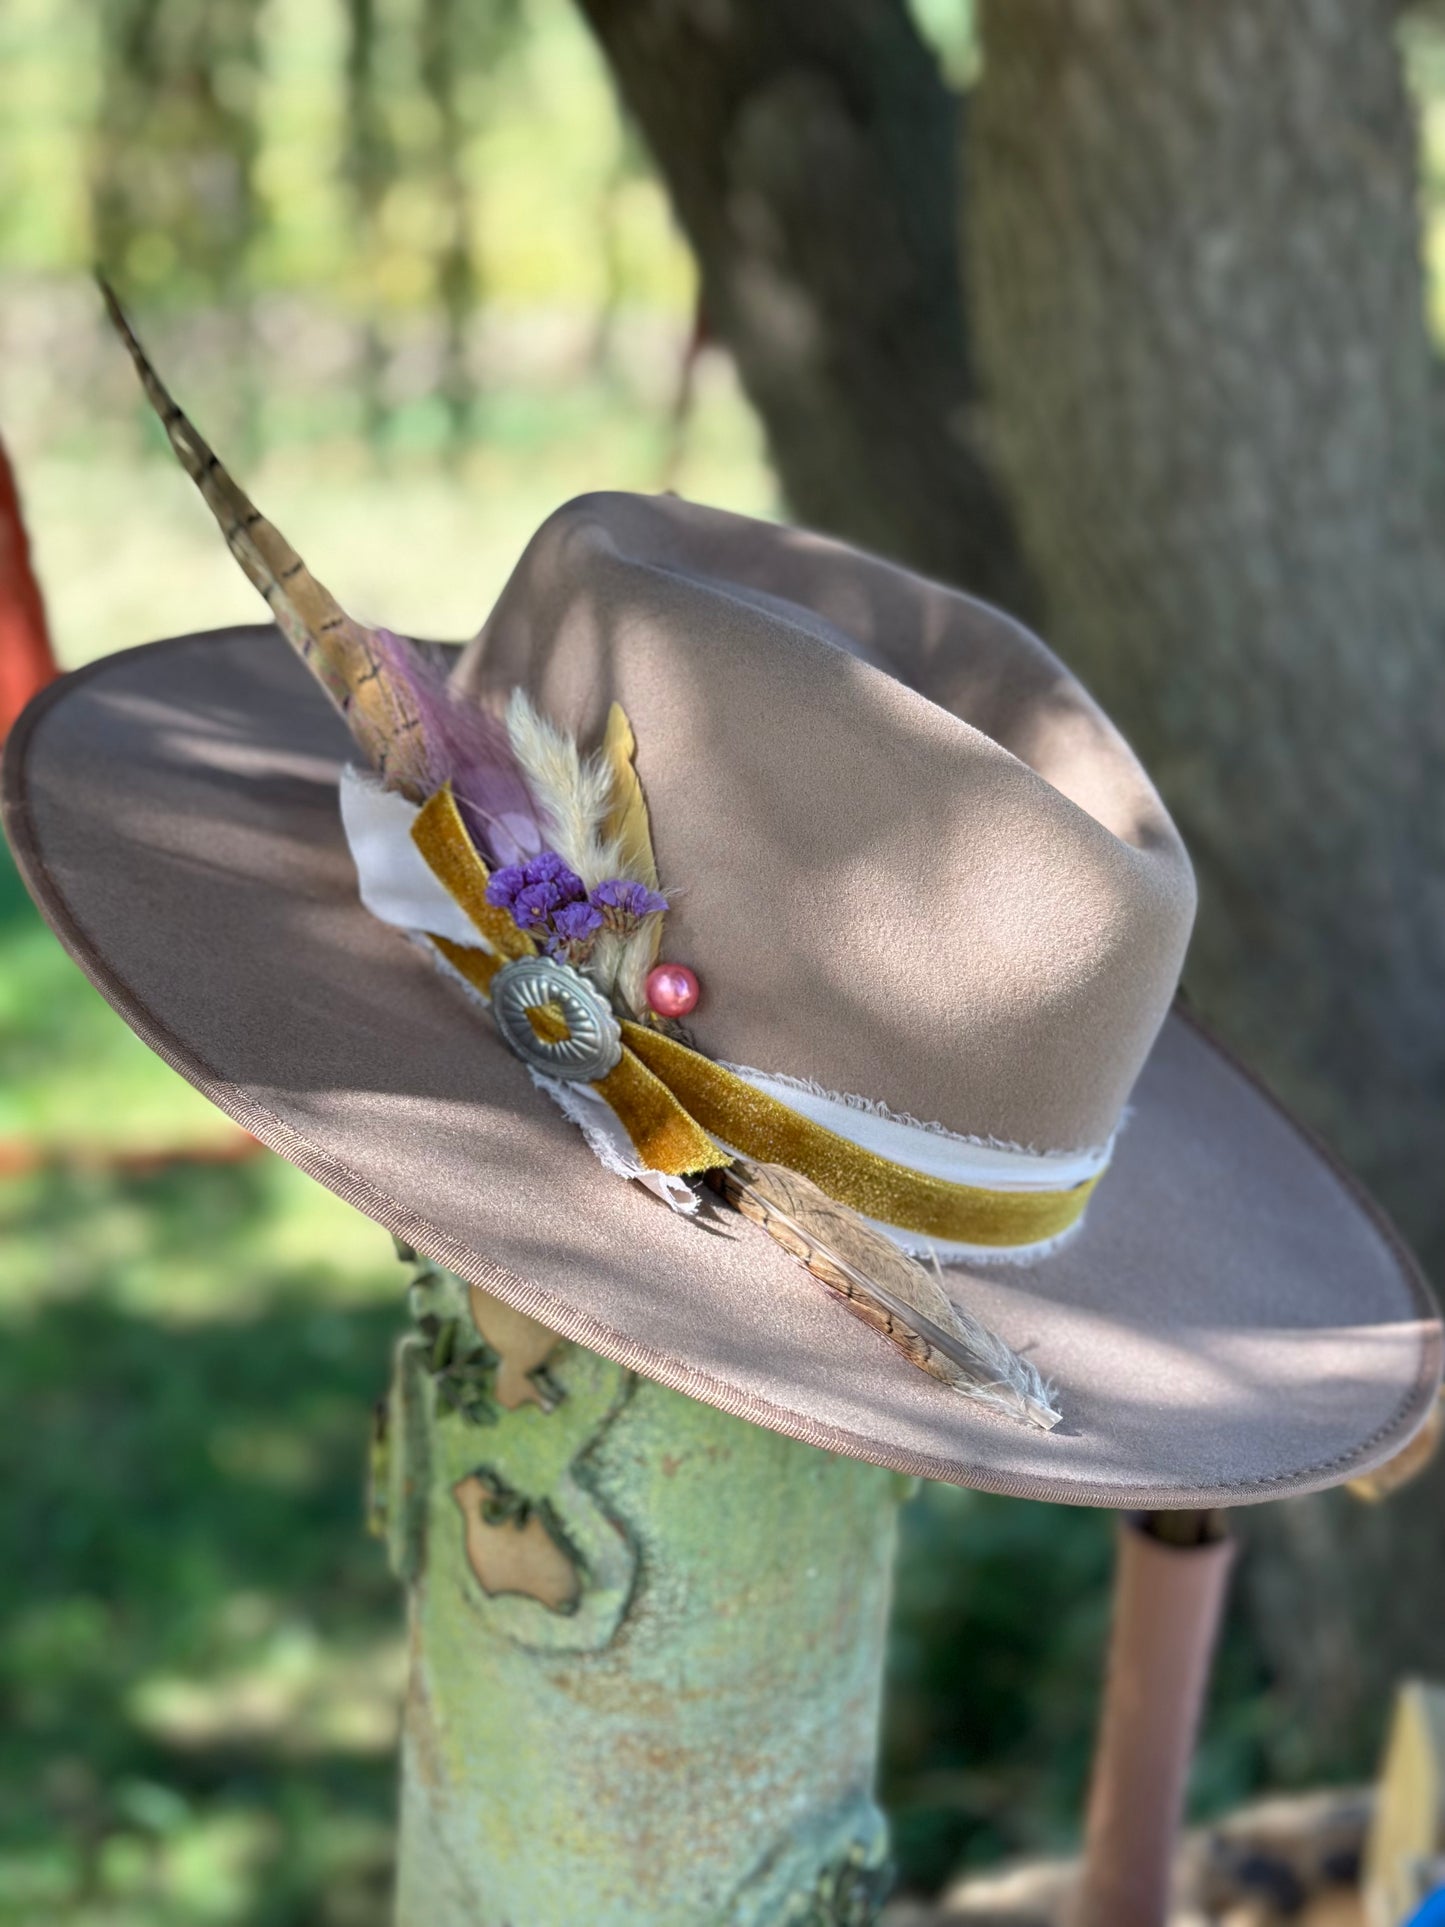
[(912, 863)]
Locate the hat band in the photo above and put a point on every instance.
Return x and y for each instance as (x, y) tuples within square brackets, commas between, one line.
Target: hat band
[(896, 1195), (683, 1113)]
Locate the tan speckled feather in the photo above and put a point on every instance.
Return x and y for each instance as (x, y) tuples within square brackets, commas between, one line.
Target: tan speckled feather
[(887, 1289)]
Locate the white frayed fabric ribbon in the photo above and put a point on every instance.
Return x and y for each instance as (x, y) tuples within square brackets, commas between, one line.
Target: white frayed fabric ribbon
[(397, 887)]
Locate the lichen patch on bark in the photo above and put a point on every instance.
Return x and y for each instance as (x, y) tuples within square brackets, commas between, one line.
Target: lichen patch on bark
[(522, 1346), (514, 1550)]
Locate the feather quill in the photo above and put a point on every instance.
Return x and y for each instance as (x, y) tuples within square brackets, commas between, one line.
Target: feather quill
[(888, 1290), (626, 822), (629, 826)]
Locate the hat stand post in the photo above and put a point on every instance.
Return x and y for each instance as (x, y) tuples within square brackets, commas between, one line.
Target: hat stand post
[(1169, 1590), (646, 1642)]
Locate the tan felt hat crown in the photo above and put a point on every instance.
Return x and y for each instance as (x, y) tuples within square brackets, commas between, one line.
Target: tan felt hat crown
[(912, 865), (911, 855)]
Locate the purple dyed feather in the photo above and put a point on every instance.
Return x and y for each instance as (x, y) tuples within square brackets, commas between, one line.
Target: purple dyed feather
[(468, 747)]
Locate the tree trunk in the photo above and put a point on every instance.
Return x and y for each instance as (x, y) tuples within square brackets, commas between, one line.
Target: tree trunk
[(1191, 267), (811, 155), (1196, 270), (646, 1643)]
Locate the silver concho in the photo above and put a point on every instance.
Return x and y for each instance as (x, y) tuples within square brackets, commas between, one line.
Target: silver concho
[(594, 1044)]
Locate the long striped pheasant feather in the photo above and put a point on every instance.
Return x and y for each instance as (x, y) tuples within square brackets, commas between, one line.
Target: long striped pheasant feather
[(356, 666)]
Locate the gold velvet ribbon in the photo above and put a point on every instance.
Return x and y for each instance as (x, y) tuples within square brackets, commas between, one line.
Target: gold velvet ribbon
[(761, 1127), (674, 1102), (451, 856)]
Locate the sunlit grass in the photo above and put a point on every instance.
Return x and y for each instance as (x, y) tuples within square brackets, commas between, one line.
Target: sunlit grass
[(298, 1692), (199, 1648), (200, 1664)]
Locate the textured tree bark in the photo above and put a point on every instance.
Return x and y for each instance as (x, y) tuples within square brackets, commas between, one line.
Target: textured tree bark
[(1197, 287), (1169, 1588), (1198, 294), (646, 1643), (811, 155)]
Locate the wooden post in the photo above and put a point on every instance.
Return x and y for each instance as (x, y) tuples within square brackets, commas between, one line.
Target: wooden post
[(1405, 1857), (646, 1643), (27, 661), (1168, 1595)]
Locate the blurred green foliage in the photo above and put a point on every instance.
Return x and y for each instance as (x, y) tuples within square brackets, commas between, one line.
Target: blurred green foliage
[(401, 260), (352, 149), (199, 1648)]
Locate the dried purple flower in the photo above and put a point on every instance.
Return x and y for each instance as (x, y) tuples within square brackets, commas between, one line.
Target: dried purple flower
[(532, 891), (549, 868), (503, 886), (535, 903), (624, 903), (574, 928)]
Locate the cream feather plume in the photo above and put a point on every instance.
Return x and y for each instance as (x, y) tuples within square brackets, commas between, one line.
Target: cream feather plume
[(572, 792)]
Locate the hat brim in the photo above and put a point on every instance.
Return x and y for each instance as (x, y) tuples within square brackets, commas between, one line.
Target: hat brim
[(1233, 1323)]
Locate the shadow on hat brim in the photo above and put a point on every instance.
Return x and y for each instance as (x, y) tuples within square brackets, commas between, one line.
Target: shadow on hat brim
[(1234, 1323)]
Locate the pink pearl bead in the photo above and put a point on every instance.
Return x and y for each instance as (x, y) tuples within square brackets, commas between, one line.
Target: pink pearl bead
[(672, 989)]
